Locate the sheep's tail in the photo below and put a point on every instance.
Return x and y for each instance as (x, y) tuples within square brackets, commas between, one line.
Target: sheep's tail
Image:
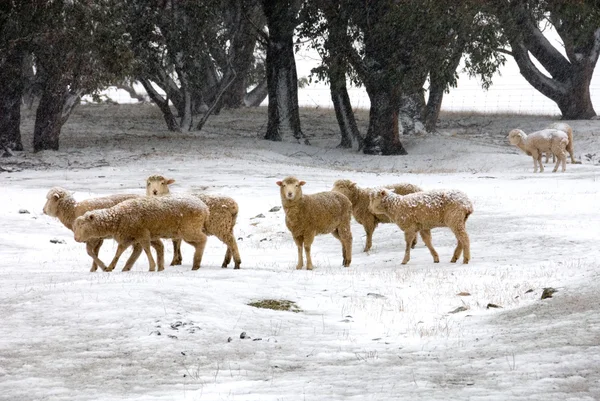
[(468, 213)]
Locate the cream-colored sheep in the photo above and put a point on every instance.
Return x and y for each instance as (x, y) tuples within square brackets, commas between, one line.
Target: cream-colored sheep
[(223, 216), (422, 211), (360, 205), (145, 219), (537, 143), (61, 204), (566, 128), (309, 215)]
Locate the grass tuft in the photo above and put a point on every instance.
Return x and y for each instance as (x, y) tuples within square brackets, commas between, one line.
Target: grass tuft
[(276, 304)]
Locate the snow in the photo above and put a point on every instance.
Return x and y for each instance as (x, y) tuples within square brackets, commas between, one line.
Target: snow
[(374, 331)]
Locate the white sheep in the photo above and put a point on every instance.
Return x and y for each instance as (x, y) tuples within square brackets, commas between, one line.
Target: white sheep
[(145, 219), (422, 211), (309, 215), (61, 204), (566, 128), (537, 143), (222, 219), (360, 205)]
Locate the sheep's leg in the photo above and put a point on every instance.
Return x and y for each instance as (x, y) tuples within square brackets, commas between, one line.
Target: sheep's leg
[(177, 259), (426, 235), (232, 250), (299, 243), (463, 242), (96, 250), (90, 247), (160, 253), (345, 236), (308, 240), (409, 237), (120, 249), (570, 150), (548, 157), (146, 247), (199, 245), (135, 254), (369, 229)]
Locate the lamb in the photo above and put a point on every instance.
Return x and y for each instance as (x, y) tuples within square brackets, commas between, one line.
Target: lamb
[(223, 216), (61, 204), (536, 143), (569, 131), (360, 205), (423, 211), (144, 219), (309, 215)]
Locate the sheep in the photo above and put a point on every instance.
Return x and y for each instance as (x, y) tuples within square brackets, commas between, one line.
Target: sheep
[(310, 215), (360, 205), (223, 216), (564, 127), (536, 143), (144, 219), (423, 211), (61, 204)]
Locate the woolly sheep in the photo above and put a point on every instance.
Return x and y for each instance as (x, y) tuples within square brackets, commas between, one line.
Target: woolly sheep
[(222, 219), (309, 215), (145, 219), (423, 211), (564, 127), (536, 143), (61, 204), (359, 197)]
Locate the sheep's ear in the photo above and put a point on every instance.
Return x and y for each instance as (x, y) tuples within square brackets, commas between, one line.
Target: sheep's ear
[(170, 181), (382, 192), (56, 196), (90, 217), (302, 183), (279, 183)]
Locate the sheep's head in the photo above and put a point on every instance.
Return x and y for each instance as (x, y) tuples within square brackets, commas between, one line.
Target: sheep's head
[(290, 188), (83, 227), (52, 199), (346, 188), (516, 136), (157, 185), (376, 198)]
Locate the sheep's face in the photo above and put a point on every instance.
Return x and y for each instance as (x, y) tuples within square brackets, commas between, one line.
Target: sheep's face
[(83, 227), (376, 200), (157, 185), (51, 206), (290, 188), (515, 136)]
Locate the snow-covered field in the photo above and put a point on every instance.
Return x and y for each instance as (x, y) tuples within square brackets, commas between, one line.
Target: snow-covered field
[(374, 331)]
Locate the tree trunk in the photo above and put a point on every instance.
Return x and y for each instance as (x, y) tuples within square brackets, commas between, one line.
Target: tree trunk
[(343, 111), (242, 51), (256, 96), (434, 105), (382, 136), (412, 109), (49, 115), (163, 105), (282, 79), (10, 100), (337, 65)]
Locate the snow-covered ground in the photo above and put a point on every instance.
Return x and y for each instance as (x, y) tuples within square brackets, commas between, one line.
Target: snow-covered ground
[(374, 331)]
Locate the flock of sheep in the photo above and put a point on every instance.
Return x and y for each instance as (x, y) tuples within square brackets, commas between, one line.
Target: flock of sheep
[(143, 221)]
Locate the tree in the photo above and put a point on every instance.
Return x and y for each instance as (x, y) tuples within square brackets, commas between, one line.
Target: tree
[(79, 47), (199, 54), (325, 23), (282, 79), (568, 76), (12, 52)]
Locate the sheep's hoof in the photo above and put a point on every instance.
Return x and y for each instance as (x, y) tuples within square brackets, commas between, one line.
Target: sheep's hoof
[(453, 260), (309, 267), (299, 267), (224, 266), (436, 261), (236, 268), (237, 265), (195, 267), (404, 262), (466, 262)]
